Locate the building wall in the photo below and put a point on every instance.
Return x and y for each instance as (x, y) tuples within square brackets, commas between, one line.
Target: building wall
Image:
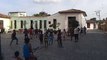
[(96, 26), (61, 18), (93, 26), (83, 21), (6, 23), (13, 14), (18, 14), (28, 21)]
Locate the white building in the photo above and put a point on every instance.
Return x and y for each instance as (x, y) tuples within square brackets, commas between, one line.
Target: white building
[(66, 16), (91, 24), (62, 19), (4, 22), (17, 14)]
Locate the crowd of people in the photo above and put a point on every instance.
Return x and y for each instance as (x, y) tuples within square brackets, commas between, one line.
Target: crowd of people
[(46, 38)]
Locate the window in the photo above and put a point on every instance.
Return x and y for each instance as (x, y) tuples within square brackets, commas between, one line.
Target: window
[(49, 22), (88, 25), (45, 24), (15, 24), (40, 24), (31, 24), (1, 24), (21, 24), (54, 23), (36, 24)]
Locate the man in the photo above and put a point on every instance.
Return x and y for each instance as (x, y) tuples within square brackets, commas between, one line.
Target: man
[(59, 38), (76, 33), (71, 33), (13, 37), (85, 30)]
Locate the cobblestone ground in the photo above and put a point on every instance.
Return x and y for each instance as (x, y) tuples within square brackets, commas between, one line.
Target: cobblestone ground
[(92, 46)]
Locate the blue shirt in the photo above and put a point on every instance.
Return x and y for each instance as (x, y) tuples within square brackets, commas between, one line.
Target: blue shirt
[(26, 51)]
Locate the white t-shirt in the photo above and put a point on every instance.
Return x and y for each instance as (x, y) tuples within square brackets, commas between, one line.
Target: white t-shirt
[(76, 31)]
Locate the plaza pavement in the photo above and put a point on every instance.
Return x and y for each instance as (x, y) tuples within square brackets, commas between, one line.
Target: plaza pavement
[(92, 46)]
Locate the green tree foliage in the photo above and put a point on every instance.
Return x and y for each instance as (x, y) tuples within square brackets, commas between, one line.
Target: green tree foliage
[(94, 19), (55, 25), (41, 14)]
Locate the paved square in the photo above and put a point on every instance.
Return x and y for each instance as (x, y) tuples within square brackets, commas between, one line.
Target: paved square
[(92, 46)]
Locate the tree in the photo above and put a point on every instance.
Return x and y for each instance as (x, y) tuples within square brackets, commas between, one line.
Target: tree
[(94, 19), (55, 25), (41, 14)]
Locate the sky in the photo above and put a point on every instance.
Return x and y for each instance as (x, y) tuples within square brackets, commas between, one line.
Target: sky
[(53, 6)]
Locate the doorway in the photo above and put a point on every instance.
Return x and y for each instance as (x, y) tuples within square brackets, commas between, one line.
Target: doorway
[(70, 21), (1, 24)]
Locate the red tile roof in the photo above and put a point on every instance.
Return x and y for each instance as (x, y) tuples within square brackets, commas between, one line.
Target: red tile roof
[(91, 21), (4, 16), (73, 11)]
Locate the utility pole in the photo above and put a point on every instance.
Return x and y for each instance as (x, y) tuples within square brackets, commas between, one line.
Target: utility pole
[(98, 14)]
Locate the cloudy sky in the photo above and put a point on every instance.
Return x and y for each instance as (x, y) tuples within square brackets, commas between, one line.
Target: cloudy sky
[(53, 6)]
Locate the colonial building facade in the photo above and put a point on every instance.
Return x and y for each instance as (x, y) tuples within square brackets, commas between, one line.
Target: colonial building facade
[(4, 22), (61, 20)]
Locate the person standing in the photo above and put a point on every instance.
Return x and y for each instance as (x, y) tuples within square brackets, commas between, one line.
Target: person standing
[(25, 33), (31, 33), (41, 37), (46, 39), (51, 37), (36, 33), (13, 37), (76, 33), (59, 38), (64, 34), (85, 29), (27, 49), (71, 33), (81, 31)]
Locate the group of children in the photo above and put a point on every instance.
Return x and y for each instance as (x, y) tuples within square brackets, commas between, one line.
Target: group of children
[(45, 38), (27, 51)]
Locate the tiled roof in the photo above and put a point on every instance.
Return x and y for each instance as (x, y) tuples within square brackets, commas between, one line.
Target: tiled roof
[(91, 21), (4, 16), (73, 11), (18, 12), (31, 16)]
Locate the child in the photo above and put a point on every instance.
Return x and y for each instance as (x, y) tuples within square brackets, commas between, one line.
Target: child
[(13, 37), (46, 39), (59, 38), (17, 55), (41, 37), (27, 50)]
